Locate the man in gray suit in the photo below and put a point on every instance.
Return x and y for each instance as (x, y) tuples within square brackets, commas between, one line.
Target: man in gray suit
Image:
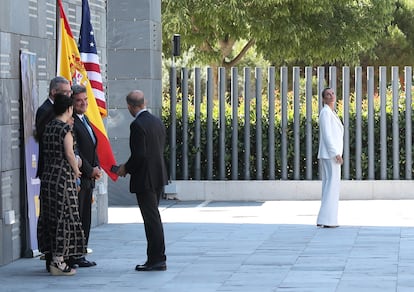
[(86, 143), (148, 171), (45, 113)]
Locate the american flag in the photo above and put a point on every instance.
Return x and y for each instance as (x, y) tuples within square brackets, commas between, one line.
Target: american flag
[(90, 59)]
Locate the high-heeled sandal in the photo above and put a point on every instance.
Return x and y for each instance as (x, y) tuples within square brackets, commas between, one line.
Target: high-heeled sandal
[(61, 269)]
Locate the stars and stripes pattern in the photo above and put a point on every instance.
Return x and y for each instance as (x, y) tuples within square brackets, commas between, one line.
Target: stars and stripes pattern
[(90, 59)]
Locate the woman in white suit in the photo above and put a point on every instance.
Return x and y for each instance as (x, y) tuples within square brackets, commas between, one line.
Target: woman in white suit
[(331, 132)]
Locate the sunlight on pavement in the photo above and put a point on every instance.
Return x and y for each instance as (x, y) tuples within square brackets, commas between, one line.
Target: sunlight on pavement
[(351, 213)]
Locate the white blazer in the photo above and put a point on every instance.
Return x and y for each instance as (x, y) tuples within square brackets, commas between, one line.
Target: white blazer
[(331, 130)]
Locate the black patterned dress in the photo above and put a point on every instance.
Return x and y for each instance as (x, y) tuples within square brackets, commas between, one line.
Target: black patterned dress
[(59, 229)]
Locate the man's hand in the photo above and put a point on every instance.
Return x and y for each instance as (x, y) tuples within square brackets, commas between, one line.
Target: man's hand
[(122, 170), (79, 160), (96, 173)]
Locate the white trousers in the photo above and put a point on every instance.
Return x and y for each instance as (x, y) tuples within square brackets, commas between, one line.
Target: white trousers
[(331, 178)]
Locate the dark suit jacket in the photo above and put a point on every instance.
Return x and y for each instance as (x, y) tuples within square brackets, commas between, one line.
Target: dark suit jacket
[(146, 163), (86, 150), (44, 115)]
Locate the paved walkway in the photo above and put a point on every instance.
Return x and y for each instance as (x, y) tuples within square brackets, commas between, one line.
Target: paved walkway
[(244, 246)]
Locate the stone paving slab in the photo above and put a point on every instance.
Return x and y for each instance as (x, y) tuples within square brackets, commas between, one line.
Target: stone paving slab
[(244, 246)]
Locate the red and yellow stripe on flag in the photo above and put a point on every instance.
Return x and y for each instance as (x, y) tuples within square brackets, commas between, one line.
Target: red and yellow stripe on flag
[(71, 67)]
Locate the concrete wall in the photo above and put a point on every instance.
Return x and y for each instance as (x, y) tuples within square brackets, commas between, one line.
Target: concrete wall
[(287, 190), (134, 62), (24, 25), (31, 25)]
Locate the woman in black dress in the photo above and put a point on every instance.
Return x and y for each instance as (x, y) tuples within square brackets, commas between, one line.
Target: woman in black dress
[(59, 230)]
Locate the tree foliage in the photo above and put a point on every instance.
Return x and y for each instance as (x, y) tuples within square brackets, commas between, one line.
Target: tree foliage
[(314, 32), (397, 46)]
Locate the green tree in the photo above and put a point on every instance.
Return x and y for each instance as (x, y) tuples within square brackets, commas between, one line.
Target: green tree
[(397, 46), (324, 32), (283, 31)]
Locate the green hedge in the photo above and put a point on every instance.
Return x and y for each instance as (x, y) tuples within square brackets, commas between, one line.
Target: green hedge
[(290, 152)]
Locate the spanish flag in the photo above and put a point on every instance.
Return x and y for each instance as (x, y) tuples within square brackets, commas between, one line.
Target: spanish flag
[(71, 67)]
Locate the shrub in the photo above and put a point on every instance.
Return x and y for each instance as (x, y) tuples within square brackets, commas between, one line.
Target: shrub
[(192, 150)]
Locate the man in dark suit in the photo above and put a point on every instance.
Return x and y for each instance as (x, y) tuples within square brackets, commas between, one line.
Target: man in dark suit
[(146, 165), (45, 113), (86, 142)]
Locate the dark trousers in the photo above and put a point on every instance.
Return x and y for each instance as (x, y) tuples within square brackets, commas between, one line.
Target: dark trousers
[(148, 202), (85, 210)]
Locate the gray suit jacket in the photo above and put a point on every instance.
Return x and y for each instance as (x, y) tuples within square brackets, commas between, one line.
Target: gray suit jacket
[(86, 150)]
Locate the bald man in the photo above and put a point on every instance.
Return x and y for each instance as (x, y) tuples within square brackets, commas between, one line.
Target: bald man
[(148, 171)]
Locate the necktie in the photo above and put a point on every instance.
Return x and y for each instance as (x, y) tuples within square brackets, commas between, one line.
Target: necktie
[(85, 122)]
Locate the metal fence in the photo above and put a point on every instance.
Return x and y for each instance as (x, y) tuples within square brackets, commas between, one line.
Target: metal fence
[(369, 85)]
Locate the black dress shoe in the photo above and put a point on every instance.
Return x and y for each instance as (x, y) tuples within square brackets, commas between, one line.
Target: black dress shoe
[(48, 259), (327, 226), (84, 263), (160, 266), (80, 262)]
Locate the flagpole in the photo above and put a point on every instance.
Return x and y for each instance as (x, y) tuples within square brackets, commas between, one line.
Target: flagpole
[(71, 67), (57, 36)]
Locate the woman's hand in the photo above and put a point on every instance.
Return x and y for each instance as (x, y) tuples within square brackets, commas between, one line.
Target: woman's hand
[(77, 172), (79, 160)]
